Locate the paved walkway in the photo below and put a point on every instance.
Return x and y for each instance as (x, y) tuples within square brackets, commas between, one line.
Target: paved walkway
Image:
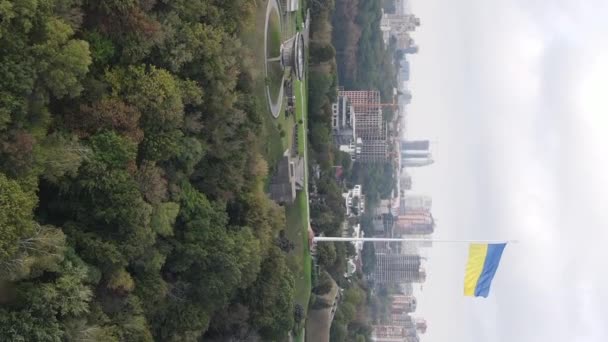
[(319, 321)]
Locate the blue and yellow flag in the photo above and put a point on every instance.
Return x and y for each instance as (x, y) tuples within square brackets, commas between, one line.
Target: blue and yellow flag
[(481, 268)]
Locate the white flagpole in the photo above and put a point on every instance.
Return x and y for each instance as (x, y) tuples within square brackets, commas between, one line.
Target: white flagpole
[(382, 239)]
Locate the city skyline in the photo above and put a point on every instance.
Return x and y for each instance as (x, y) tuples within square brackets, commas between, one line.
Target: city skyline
[(514, 93)]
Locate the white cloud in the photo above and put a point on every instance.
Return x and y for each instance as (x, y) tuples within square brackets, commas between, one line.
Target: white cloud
[(521, 127)]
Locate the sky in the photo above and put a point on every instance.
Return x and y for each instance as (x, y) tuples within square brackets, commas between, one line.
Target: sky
[(515, 95)]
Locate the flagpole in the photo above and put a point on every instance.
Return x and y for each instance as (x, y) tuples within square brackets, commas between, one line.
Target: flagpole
[(382, 239)]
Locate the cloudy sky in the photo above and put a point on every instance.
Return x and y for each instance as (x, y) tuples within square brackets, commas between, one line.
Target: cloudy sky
[(515, 94)]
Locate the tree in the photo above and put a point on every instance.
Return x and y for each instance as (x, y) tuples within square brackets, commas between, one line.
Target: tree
[(298, 313), (61, 155), (271, 297), (111, 150), (354, 295), (109, 113), (41, 250), (107, 203), (325, 284), (189, 153), (23, 326), (231, 322), (80, 330), (338, 332), (121, 282), (66, 60), (24, 244), (163, 218), (66, 296), (17, 153), (368, 255), (326, 254), (152, 183), (201, 242), (321, 53), (156, 93), (348, 311), (284, 243), (15, 217)]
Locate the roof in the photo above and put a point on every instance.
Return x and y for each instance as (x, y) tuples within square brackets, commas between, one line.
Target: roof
[(339, 172), (282, 193), (288, 178)]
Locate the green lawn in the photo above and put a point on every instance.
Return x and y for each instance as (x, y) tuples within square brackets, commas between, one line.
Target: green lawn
[(273, 50), (297, 214), (274, 144), (274, 35), (299, 260), (303, 289)]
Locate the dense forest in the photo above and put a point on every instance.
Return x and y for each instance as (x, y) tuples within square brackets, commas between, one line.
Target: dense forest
[(131, 175), (363, 61)]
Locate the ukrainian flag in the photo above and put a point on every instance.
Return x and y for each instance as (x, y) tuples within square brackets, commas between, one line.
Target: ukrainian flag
[(481, 268)]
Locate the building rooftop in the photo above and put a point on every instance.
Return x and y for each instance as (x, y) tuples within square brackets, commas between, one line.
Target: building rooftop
[(288, 178)]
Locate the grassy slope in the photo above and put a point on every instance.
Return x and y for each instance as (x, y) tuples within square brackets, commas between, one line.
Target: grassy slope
[(303, 285), (274, 145), (296, 214), (275, 72)]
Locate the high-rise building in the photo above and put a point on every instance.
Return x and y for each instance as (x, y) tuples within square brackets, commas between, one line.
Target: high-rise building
[(411, 49), (415, 325), (383, 224), (398, 268), (343, 121), (373, 151), (361, 97), (368, 113), (399, 23), (405, 183), (402, 304), (370, 131), (404, 41), (414, 222), (393, 333), (417, 162), (415, 153), (410, 203), (416, 145), (404, 74)]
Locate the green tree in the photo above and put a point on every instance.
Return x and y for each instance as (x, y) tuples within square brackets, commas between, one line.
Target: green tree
[(326, 253), (15, 217), (271, 298), (61, 155), (338, 332), (368, 255), (66, 60), (23, 326), (108, 204), (152, 183), (111, 150), (156, 93), (325, 284), (163, 218)]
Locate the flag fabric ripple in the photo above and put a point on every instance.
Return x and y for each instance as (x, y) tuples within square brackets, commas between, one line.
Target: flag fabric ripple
[(481, 268)]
